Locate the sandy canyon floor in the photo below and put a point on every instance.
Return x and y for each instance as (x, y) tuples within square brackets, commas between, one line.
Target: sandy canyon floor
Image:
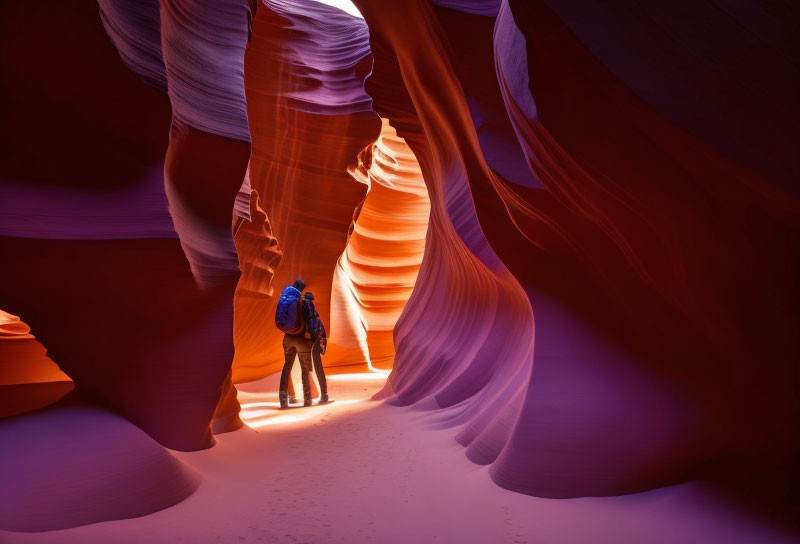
[(359, 470)]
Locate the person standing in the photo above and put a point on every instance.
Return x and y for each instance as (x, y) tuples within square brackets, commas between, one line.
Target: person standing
[(319, 343), (290, 317), (304, 337)]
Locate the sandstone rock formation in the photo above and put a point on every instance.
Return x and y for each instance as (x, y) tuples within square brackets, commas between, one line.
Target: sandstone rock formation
[(636, 235), (120, 202), (309, 118), (375, 275), (96, 466), (608, 172), (28, 378)]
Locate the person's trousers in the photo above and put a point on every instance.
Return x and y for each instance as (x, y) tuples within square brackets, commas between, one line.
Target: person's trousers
[(316, 356), (301, 347)]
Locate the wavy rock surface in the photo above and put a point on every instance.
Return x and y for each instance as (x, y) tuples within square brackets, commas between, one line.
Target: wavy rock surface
[(120, 256), (309, 118), (375, 275), (662, 227), (603, 167), (28, 378), (96, 466), (606, 229), (465, 339), (125, 265)]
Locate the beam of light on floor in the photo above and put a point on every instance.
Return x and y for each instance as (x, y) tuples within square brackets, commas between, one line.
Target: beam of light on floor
[(277, 420), (249, 405), (260, 406), (256, 419), (250, 413), (378, 370)]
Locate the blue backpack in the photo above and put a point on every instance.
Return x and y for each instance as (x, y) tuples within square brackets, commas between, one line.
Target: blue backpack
[(289, 313)]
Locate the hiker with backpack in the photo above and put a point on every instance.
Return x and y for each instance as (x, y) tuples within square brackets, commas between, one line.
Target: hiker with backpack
[(319, 343), (304, 336)]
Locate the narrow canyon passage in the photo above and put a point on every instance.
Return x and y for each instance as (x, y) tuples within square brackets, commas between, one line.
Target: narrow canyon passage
[(554, 245), (360, 470)]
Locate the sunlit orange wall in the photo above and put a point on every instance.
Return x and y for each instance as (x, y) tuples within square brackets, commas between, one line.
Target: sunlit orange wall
[(317, 147), (298, 167), (28, 378), (377, 271)]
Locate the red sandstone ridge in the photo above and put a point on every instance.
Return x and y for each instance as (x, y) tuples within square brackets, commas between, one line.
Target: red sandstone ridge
[(28, 378), (376, 273), (117, 202), (663, 233), (258, 251), (624, 176), (309, 118)]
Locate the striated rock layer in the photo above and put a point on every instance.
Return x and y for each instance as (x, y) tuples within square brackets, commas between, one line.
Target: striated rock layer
[(134, 294), (124, 265), (309, 118), (28, 378), (674, 252), (375, 275), (661, 266), (465, 339), (608, 168)]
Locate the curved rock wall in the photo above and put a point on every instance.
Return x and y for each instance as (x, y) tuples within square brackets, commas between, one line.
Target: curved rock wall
[(309, 118), (28, 378), (662, 226), (375, 275), (604, 169), (655, 265), (465, 339), (117, 206), (97, 466)]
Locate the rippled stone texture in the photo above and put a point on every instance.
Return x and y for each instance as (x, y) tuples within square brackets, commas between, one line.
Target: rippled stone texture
[(650, 236), (146, 211), (28, 378), (663, 339), (124, 263), (610, 169), (309, 118), (376, 273), (465, 339)]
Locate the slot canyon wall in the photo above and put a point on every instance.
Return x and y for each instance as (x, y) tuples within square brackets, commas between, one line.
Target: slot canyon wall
[(309, 119), (376, 273), (656, 247), (600, 169), (33, 381), (125, 145), (90, 236)]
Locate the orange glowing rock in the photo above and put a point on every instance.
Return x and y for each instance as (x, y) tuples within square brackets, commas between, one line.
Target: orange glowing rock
[(377, 271), (304, 137), (29, 380)]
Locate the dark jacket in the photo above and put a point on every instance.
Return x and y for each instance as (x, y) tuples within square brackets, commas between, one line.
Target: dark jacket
[(314, 325)]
